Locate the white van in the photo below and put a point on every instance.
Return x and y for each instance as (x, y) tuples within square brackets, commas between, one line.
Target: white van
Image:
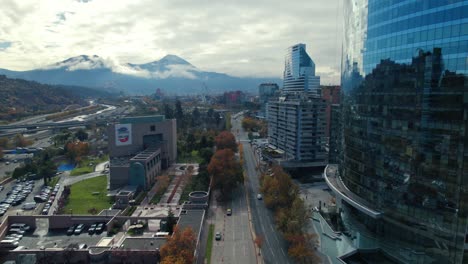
[(8, 243)]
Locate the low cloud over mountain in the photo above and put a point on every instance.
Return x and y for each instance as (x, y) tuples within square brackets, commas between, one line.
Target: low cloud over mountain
[(171, 74)]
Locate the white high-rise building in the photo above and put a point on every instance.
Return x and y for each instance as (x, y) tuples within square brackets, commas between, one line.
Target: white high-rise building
[(299, 72)]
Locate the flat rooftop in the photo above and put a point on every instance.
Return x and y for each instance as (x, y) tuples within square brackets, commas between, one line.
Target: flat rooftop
[(142, 119), (191, 218), (143, 243)]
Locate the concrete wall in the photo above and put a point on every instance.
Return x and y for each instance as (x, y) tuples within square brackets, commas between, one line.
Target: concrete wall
[(118, 176)]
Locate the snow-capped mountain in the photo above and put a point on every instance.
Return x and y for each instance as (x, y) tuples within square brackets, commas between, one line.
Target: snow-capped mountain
[(82, 62), (171, 74)]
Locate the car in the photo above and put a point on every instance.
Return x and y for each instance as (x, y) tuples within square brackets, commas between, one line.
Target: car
[(100, 227), (218, 236), (21, 226), (259, 196), (229, 211), (39, 199), (45, 211), (71, 230), (11, 238), (16, 230), (92, 229), (79, 229), (7, 163), (17, 236), (82, 246)]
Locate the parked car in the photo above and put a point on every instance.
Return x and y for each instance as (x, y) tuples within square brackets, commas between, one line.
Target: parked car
[(218, 236), (79, 229), (39, 199), (21, 226), (229, 211), (259, 196), (100, 227), (92, 229), (29, 206), (71, 230)]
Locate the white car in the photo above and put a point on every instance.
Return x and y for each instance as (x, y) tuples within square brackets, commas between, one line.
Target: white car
[(259, 196)]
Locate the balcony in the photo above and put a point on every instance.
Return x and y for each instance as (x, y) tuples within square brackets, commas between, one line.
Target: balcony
[(335, 183)]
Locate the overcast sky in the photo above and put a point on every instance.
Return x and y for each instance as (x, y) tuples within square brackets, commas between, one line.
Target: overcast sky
[(237, 37)]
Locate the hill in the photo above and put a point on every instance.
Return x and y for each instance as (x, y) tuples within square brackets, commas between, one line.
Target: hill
[(20, 98)]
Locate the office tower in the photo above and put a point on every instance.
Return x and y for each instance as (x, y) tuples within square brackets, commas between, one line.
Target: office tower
[(299, 72), (266, 91), (403, 172), (296, 129)]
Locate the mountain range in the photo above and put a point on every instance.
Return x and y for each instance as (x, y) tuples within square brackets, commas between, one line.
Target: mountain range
[(171, 74)]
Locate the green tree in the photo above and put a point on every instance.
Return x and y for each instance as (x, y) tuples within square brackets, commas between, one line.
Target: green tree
[(190, 142), (179, 113), (47, 170), (81, 135), (168, 111), (171, 221)]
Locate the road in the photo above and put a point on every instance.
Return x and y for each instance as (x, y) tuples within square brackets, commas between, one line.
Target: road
[(236, 245), (274, 249)]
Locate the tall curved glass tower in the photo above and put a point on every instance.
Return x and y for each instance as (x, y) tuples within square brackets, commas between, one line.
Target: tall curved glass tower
[(299, 71), (402, 177)]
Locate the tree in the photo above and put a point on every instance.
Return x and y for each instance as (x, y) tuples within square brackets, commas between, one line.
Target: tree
[(226, 140), (81, 135), (1, 153), (179, 247), (21, 141), (179, 113), (300, 248), (168, 112), (75, 150), (190, 142), (226, 171), (171, 221), (47, 170)]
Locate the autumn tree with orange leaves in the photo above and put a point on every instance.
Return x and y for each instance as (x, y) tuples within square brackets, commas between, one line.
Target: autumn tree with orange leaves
[(226, 171), (75, 150), (226, 140), (179, 248)]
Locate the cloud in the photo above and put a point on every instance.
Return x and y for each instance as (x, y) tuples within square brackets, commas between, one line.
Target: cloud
[(242, 38)]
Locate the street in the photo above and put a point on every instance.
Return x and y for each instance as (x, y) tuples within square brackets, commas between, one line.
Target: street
[(274, 249)]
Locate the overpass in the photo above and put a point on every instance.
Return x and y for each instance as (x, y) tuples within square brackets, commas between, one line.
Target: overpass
[(49, 125)]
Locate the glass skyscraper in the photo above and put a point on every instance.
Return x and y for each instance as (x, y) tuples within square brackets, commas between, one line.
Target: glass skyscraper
[(402, 175), (299, 71)]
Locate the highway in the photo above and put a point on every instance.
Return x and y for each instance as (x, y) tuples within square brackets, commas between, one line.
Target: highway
[(274, 249)]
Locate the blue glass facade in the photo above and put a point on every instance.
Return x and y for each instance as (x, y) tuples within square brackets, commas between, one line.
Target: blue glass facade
[(299, 71), (404, 119)]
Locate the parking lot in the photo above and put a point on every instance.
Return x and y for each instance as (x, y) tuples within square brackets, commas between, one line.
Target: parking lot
[(42, 237), (16, 209)]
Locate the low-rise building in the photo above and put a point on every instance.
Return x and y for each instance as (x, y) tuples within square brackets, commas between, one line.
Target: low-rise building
[(139, 147)]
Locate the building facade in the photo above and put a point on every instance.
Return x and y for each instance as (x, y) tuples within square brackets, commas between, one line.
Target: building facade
[(296, 126), (331, 95), (299, 71), (139, 147), (402, 178), (266, 91)]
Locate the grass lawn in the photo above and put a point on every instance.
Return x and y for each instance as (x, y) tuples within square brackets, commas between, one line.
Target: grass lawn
[(81, 170), (209, 244), (82, 198)]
